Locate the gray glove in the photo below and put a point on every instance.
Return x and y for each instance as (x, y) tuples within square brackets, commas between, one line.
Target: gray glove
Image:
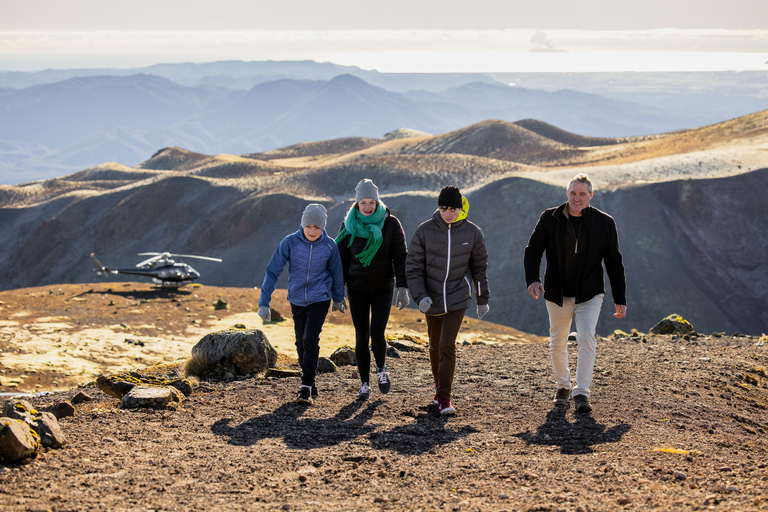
[(265, 313), (482, 310), (341, 307), (402, 299), (425, 304)]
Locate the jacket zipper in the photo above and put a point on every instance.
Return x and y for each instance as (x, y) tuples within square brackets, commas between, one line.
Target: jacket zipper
[(447, 272), (306, 281)]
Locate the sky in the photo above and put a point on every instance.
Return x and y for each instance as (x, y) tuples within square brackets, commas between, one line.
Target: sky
[(391, 36)]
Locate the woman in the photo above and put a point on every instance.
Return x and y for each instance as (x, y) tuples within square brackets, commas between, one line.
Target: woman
[(447, 262), (372, 247)]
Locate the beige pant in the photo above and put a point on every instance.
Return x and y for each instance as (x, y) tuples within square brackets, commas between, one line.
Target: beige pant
[(585, 316)]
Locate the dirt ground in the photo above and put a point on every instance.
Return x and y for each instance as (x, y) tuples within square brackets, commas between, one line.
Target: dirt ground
[(678, 425)]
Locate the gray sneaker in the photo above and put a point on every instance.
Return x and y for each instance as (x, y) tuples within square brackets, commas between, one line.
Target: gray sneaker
[(365, 392), (562, 397), (582, 404), (385, 384)]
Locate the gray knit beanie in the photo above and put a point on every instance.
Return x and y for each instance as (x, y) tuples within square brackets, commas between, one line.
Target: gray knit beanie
[(314, 214), (366, 189)]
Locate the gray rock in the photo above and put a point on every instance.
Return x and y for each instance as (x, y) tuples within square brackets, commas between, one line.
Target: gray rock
[(236, 351), (60, 410), (325, 365), (20, 410), (16, 440), (407, 346), (81, 397), (393, 352), (344, 356), (673, 324), (152, 397), (112, 387), (49, 431), (281, 374)]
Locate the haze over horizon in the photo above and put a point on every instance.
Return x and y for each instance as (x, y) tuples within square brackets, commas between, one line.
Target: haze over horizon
[(402, 36)]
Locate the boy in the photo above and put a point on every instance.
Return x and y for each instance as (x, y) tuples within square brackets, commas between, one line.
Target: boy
[(315, 277)]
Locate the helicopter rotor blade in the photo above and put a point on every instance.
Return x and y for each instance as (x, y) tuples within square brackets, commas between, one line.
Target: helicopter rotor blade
[(198, 257), (147, 261), (149, 254)]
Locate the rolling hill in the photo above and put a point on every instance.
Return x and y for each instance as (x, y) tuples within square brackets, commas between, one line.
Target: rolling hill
[(689, 206)]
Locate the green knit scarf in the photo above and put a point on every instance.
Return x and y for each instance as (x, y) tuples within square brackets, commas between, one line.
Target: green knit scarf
[(369, 227)]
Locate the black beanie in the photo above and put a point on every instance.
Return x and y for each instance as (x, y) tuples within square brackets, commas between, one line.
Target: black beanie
[(449, 196)]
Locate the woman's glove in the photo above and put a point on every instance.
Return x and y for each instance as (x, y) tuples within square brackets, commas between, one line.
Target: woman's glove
[(402, 299), (482, 310), (425, 304), (265, 313), (341, 307)]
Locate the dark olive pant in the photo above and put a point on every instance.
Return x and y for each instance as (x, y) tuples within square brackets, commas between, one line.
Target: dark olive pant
[(442, 331), (308, 323), (370, 313)]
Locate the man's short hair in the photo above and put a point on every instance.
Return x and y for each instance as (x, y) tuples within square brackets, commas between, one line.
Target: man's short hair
[(581, 178)]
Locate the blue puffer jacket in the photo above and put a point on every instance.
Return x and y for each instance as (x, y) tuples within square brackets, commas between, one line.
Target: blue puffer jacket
[(315, 273)]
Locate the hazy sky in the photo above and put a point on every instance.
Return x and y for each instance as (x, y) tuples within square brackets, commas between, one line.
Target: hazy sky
[(395, 35)]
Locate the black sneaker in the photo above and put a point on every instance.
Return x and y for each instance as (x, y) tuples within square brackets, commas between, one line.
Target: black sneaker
[(562, 398), (305, 395), (314, 391), (365, 392), (582, 404), (384, 383)]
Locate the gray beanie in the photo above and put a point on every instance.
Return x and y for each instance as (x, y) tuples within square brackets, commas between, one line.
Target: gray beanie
[(314, 214), (366, 189)]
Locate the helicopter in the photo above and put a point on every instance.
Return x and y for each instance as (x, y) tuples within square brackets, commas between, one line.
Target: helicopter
[(161, 267)]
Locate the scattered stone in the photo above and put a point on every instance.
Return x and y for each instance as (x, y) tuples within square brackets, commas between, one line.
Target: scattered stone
[(731, 488), (49, 431), (114, 387), (407, 346), (281, 374), (130, 341), (380, 499), (503, 496), (220, 304), (17, 440), (81, 397), (325, 365), (238, 352), (624, 501), (152, 397), (673, 324), (60, 410), (393, 352), (239, 326), (679, 475), (344, 356)]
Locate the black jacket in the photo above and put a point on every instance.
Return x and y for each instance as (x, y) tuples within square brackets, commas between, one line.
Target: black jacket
[(388, 263), (598, 243), (448, 264)]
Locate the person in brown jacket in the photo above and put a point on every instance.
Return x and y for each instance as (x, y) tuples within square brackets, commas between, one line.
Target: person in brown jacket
[(446, 266)]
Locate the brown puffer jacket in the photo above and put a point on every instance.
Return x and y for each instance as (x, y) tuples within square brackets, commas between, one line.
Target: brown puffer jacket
[(448, 264)]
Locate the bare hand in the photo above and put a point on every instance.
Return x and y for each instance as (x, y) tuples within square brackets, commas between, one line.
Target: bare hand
[(621, 311), (535, 289)]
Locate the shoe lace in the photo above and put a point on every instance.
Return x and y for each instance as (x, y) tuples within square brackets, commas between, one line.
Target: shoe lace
[(383, 376), (365, 388)]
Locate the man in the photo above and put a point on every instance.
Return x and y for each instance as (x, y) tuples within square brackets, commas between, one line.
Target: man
[(578, 239)]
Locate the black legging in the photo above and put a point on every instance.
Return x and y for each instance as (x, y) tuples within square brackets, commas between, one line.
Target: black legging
[(376, 304)]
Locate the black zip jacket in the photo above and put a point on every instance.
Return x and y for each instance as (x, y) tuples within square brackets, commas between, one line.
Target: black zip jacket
[(388, 263), (598, 243)]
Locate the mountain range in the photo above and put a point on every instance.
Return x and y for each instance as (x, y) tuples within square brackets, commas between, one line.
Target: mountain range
[(689, 206), (56, 122)]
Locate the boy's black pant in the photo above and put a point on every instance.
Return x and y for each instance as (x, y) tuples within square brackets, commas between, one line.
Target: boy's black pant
[(308, 323), (370, 313)]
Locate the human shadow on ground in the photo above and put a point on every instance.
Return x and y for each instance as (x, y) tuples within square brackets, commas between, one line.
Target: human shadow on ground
[(286, 423), (429, 431), (573, 438)]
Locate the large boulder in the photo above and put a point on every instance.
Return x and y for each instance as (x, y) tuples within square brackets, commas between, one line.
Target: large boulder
[(240, 352), (325, 365), (119, 384), (152, 397), (17, 440), (673, 324)]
